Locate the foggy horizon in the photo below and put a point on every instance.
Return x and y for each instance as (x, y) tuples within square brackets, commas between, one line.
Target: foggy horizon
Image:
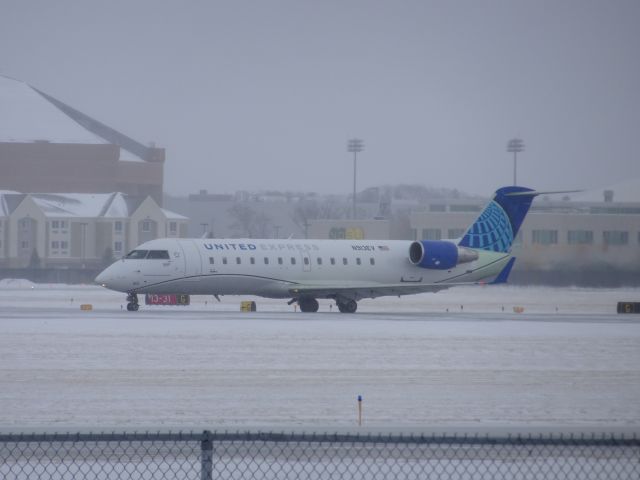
[(264, 96)]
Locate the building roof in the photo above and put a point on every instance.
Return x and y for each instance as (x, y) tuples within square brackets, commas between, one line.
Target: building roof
[(173, 215), (10, 202), (28, 115), (79, 205)]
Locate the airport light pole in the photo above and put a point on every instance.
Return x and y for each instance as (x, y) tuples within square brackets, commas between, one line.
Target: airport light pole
[(355, 146), (515, 145)]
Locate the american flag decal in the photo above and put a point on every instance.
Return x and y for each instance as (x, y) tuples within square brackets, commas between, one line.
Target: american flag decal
[(384, 248)]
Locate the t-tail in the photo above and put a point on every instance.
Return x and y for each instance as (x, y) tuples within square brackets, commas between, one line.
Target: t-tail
[(499, 223)]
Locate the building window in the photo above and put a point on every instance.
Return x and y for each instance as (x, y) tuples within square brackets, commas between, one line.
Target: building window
[(117, 226), (337, 233), (173, 227), (437, 207), (455, 232), (431, 234), (117, 247), (146, 226), (55, 224), (615, 237), (544, 237), (64, 244), (63, 224), (24, 244), (55, 245), (579, 237)]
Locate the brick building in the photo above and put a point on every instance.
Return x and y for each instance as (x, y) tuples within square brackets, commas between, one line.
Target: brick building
[(48, 146)]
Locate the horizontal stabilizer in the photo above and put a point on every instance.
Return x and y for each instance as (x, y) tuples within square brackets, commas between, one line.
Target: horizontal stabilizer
[(534, 193)]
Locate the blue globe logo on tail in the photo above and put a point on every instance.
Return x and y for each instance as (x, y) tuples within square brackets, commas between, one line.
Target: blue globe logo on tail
[(491, 231), (498, 224)]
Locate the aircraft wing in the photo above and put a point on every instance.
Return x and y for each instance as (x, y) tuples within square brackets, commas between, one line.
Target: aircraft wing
[(373, 290)]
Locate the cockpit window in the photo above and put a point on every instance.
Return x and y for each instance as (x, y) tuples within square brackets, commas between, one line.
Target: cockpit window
[(158, 254), (137, 254)]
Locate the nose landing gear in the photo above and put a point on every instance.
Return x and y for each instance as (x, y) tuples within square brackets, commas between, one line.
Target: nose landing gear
[(132, 306)]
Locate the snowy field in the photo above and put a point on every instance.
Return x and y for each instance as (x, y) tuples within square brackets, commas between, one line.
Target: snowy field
[(457, 358)]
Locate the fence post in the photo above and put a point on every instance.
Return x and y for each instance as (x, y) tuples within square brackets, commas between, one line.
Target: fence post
[(206, 462)]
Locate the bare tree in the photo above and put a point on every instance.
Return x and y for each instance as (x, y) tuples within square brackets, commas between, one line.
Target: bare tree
[(248, 222)]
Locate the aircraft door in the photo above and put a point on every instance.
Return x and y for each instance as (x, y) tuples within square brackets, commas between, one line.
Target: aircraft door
[(192, 258)]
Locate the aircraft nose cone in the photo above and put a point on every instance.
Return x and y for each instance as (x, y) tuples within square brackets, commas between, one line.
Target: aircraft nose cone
[(101, 278)]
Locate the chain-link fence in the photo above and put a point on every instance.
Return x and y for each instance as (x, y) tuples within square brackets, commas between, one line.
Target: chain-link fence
[(209, 456)]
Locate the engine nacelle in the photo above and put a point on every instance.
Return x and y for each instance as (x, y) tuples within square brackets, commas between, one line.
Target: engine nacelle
[(440, 255)]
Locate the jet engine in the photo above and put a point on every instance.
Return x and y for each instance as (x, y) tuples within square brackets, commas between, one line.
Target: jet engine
[(439, 254)]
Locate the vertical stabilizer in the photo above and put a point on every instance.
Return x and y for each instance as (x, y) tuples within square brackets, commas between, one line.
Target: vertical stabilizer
[(498, 224)]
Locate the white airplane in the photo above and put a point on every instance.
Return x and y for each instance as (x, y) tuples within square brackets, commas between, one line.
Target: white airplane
[(343, 270)]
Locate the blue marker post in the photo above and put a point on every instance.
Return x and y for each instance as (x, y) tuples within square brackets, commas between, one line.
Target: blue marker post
[(359, 410)]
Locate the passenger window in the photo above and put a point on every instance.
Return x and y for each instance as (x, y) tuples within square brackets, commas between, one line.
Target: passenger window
[(372, 261), (211, 260), (137, 254), (306, 260), (332, 261), (279, 260), (266, 260), (358, 262), (252, 260), (344, 260), (293, 260), (224, 260), (238, 260), (319, 261)]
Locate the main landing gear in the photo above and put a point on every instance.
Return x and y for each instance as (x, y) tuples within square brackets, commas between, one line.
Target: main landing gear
[(132, 306), (308, 304), (347, 306)]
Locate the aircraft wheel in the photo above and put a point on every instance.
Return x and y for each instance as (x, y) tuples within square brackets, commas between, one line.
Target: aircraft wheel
[(348, 306), (308, 304), (132, 307)]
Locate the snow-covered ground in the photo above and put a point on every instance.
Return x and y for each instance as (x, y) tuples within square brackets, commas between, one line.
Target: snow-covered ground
[(461, 357)]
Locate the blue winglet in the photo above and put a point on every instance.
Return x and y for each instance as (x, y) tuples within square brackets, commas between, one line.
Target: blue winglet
[(504, 274)]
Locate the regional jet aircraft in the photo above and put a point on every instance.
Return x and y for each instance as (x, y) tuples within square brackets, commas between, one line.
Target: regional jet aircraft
[(346, 271)]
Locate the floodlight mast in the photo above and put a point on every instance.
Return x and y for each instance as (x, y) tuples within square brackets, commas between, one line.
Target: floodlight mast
[(515, 145), (355, 146)]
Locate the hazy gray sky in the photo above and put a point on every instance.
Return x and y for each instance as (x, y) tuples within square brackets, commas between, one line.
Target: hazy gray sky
[(264, 94)]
